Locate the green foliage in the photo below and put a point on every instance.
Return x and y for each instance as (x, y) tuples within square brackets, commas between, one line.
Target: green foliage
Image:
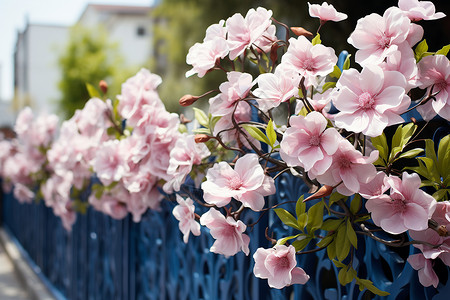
[(400, 140), (421, 50), (444, 50), (336, 72), (257, 134), (316, 40), (271, 134), (435, 168), (88, 58), (346, 65)]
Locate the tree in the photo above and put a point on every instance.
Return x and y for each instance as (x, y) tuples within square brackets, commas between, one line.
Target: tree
[(88, 58)]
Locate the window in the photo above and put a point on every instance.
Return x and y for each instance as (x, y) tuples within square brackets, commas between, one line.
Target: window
[(141, 31)]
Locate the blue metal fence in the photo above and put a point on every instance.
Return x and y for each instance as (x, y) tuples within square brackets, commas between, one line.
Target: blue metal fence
[(103, 258)]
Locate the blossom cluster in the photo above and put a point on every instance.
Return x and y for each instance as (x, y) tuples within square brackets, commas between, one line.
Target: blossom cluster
[(130, 152)]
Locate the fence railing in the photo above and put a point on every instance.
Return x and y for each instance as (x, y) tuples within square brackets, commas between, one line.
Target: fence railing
[(103, 258)]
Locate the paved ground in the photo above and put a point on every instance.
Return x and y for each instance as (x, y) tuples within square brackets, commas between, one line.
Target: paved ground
[(10, 287)]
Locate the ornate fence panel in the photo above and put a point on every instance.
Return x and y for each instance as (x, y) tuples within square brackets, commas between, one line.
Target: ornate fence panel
[(104, 258)]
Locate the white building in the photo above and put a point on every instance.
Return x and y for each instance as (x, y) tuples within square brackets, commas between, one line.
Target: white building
[(36, 71), (38, 47), (130, 26)]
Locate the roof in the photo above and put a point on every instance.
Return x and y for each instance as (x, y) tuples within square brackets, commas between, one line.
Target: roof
[(117, 9)]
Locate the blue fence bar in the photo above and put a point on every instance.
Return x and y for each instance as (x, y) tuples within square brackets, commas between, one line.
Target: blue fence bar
[(103, 258)]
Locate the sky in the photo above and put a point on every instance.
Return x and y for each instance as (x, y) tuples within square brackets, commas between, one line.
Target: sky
[(13, 18)]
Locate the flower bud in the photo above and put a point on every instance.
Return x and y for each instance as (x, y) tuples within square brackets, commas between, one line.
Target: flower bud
[(324, 191), (273, 52), (298, 31), (188, 100), (201, 138), (103, 86)]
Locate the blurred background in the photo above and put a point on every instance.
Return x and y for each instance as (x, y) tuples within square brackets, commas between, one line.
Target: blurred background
[(51, 48)]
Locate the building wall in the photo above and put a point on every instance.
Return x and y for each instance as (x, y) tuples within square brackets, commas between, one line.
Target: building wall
[(122, 25), (36, 66), (38, 48)]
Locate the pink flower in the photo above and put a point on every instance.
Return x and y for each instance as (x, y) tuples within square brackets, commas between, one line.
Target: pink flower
[(419, 10), (243, 33), (377, 36), (371, 100), (183, 156), (138, 91), (247, 183), (434, 71), (217, 30), (23, 194), (350, 167), (441, 244), (227, 232), (407, 207), (308, 143), (184, 212), (403, 61), (325, 12), (375, 187), (109, 163), (307, 60), (278, 265), (203, 56), (109, 204), (427, 276), (237, 87), (274, 88), (92, 120)]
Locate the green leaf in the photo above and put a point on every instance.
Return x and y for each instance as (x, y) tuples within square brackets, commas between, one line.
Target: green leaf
[(315, 216), (351, 234), (346, 65), (444, 157), (328, 85), (369, 285), (336, 72), (331, 249), (182, 128), (335, 197), (325, 241), (346, 275), (342, 243), (302, 220), (429, 150), (440, 194), (331, 224), (300, 206), (421, 48), (342, 275), (202, 130), (256, 133), (271, 134), (287, 218), (316, 40), (201, 117), (300, 244), (401, 137), (284, 240), (355, 205), (380, 143), (443, 51), (411, 153), (338, 264), (432, 173), (92, 91)]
